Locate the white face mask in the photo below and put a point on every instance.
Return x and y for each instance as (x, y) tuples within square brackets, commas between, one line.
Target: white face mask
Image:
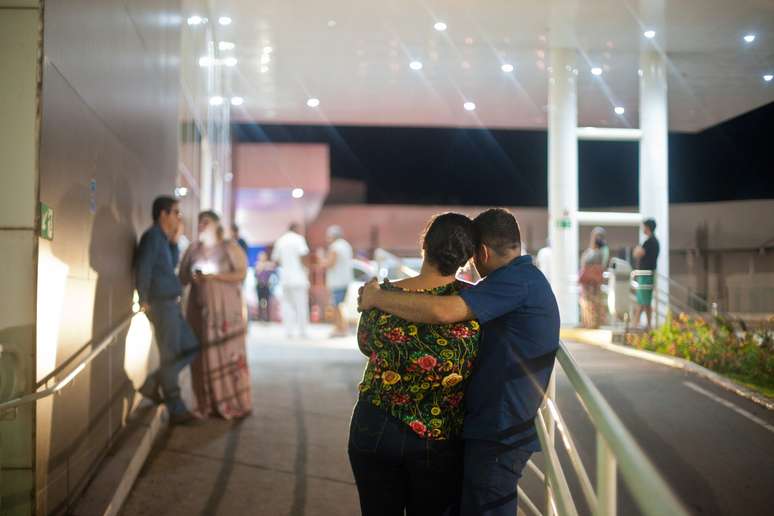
[(208, 237)]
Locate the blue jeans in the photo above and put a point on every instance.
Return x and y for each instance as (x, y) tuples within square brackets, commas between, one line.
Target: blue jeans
[(492, 473), (396, 470), (178, 346)]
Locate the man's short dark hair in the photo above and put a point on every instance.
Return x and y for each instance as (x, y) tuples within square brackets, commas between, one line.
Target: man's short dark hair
[(163, 203), (497, 229), (650, 224)]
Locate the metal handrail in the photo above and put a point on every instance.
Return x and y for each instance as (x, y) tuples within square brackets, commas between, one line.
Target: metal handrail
[(616, 449), (78, 369)]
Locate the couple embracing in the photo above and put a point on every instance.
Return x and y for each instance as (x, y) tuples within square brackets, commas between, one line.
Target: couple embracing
[(444, 423)]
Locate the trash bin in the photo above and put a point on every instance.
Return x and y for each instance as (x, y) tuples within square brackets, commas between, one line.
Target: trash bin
[(618, 298)]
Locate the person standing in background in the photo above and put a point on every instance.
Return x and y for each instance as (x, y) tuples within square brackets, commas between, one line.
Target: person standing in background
[(338, 276), (238, 239), (543, 260), (265, 276), (159, 290), (290, 252), (646, 258), (593, 264)]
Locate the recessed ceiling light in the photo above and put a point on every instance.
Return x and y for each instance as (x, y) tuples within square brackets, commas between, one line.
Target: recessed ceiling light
[(596, 71), (415, 65), (749, 38), (331, 23), (507, 68), (195, 20), (230, 61), (297, 193), (226, 45), (224, 20), (469, 106), (440, 26), (205, 61), (237, 101), (267, 50), (313, 102), (650, 34), (217, 100), (181, 191), (619, 110), (768, 77)]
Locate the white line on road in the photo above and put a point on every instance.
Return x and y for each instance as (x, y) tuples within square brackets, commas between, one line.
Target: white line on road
[(730, 405)]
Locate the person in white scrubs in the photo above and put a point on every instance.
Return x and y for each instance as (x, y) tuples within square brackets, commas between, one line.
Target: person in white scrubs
[(289, 253)]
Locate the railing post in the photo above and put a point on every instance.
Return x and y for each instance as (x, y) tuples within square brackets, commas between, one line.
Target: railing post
[(606, 479), (551, 428)]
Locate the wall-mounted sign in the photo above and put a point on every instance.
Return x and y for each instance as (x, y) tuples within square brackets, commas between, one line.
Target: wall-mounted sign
[(46, 222)]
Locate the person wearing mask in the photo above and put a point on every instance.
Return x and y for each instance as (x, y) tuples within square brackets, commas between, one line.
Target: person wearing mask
[(159, 291), (338, 275), (405, 443), (215, 269), (290, 252), (646, 259), (593, 264)]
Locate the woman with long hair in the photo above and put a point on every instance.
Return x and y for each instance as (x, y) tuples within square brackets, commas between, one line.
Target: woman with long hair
[(405, 443), (215, 268), (594, 261)]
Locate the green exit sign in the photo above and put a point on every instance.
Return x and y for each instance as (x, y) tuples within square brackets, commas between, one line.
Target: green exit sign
[(46, 222)]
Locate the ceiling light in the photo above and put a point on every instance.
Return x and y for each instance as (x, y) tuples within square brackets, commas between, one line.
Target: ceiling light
[(230, 61), (181, 191), (469, 106), (749, 38), (415, 65), (596, 71), (224, 20), (195, 20), (205, 61), (226, 45), (313, 102), (768, 77), (217, 100), (619, 110), (264, 68), (331, 23), (507, 68), (237, 101), (297, 193), (268, 50), (650, 34), (440, 26)]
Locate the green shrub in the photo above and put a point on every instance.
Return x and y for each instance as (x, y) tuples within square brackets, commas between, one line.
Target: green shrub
[(719, 345)]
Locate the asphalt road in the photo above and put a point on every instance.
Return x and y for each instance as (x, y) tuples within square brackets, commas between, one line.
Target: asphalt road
[(289, 457)]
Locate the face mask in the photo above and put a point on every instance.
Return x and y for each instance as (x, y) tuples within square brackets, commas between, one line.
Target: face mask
[(600, 242), (208, 237)]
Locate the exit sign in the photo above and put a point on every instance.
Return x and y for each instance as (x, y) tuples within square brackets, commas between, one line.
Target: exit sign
[(46, 222)]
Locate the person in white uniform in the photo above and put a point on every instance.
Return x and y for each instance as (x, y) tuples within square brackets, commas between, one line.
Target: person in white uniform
[(289, 253), (543, 260), (338, 275)]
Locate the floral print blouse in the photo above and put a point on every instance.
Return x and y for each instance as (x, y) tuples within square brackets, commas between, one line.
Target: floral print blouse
[(418, 372)]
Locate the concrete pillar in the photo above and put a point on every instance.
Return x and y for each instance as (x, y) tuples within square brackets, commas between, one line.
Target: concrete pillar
[(654, 157), (563, 180)]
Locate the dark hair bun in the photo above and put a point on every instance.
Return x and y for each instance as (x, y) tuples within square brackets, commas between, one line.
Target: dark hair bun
[(449, 242)]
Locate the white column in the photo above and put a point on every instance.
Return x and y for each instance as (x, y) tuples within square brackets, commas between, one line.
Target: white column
[(563, 181), (654, 157)]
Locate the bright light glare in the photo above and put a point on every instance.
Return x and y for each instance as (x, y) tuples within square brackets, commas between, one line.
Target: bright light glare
[(619, 110), (195, 20), (313, 102), (224, 20), (297, 193), (268, 50), (415, 65), (226, 45), (596, 71), (230, 61), (768, 77), (749, 38), (650, 34), (205, 61), (507, 68), (217, 100), (440, 26), (469, 106), (237, 101), (181, 191)]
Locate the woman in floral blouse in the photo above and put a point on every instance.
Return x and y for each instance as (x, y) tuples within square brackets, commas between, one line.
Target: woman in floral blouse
[(404, 442)]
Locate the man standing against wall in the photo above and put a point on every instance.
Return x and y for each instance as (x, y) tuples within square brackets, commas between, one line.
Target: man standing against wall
[(159, 290), (290, 252), (646, 257), (338, 275)]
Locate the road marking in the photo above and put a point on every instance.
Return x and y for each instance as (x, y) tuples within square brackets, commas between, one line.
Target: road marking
[(730, 405)]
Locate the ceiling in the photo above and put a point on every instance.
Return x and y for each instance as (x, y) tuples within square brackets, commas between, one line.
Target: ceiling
[(354, 55)]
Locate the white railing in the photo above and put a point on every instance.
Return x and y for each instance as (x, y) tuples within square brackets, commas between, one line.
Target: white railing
[(616, 451)]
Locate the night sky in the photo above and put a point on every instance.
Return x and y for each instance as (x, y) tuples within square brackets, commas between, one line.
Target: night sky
[(402, 165)]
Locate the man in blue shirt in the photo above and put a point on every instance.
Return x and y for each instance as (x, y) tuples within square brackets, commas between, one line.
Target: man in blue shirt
[(159, 290), (520, 336)]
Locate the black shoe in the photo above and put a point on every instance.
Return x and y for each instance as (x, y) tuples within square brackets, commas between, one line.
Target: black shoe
[(153, 395), (185, 419)]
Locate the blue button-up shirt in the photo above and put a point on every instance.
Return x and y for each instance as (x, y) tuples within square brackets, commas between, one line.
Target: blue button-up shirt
[(154, 267), (520, 336)]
